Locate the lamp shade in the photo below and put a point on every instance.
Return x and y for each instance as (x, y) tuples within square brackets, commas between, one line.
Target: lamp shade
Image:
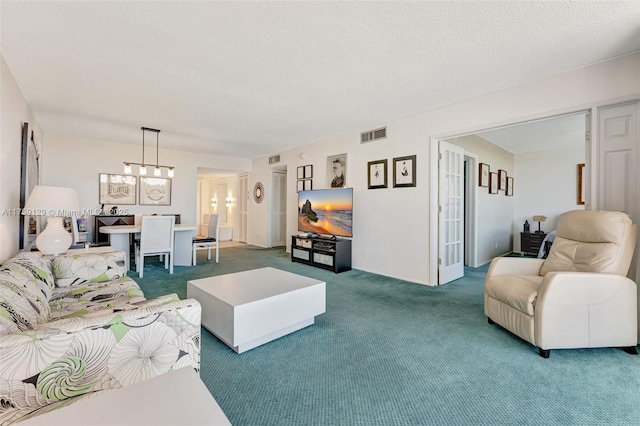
[(54, 202), (539, 218)]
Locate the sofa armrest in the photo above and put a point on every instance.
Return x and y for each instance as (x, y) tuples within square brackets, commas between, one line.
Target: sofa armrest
[(66, 359), (514, 266), (584, 309)]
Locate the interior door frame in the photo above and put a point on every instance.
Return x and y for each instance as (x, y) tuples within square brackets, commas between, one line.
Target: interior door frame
[(434, 142), (243, 207), (471, 210)]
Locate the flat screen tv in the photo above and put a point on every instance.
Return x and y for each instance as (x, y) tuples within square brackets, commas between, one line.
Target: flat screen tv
[(326, 212)]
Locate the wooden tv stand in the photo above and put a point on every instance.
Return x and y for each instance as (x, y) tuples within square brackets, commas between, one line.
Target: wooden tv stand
[(322, 252)]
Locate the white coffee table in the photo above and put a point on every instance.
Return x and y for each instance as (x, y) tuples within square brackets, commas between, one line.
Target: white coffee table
[(247, 309), (175, 398)]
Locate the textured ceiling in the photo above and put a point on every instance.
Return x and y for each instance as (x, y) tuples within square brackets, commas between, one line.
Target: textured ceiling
[(542, 135), (254, 78)]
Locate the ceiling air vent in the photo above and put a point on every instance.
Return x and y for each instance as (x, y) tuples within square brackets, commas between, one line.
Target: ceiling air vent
[(373, 135), (274, 159)]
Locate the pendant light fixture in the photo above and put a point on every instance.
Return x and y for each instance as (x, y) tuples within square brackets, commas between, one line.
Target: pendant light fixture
[(157, 168)]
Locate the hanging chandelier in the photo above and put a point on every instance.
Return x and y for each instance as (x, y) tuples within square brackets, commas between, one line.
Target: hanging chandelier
[(157, 169)]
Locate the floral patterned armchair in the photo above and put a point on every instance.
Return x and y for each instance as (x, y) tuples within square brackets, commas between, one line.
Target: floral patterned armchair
[(71, 326)]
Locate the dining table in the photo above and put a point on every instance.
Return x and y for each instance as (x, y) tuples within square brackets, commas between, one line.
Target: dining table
[(120, 240)]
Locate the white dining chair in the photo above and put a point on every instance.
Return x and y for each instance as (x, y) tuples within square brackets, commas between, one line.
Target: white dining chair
[(156, 238), (211, 239)]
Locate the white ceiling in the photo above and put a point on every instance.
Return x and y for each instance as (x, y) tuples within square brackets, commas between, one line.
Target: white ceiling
[(542, 135), (213, 174), (254, 78)]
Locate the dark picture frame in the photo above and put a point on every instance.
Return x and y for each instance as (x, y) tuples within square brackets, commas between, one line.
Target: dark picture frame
[(29, 177), (509, 191), (404, 171), (337, 171), (305, 172), (502, 180), (307, 184), (114, 189), (483, 174), (377, 174), (493, 183), (154, 191)]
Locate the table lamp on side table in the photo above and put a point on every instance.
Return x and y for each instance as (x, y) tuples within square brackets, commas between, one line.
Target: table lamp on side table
[(539, 219), (55, 202)]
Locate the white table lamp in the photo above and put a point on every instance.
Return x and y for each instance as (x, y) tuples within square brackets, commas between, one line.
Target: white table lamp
[(55, 202)]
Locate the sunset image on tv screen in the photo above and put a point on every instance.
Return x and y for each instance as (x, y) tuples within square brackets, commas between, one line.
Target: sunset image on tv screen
[(326, 211)]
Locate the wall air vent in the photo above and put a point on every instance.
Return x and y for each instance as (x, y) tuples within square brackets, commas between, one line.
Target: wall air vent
[(274, 159), (373, 135)]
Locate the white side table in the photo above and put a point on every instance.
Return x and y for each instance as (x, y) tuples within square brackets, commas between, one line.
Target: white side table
[(225, 233), (175, 398)]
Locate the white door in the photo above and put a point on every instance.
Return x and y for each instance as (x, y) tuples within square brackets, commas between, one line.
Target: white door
[(617, 159), (451, 213), (278, 208), (243, 201), (617, 176)]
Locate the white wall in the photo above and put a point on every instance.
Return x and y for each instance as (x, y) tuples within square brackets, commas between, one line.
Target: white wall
[(77, 162), (495, 211), (547, 185), (392, 234), (14, 112), (259, 223)]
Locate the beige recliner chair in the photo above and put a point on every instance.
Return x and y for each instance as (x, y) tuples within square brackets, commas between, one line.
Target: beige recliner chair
[(579, 297)]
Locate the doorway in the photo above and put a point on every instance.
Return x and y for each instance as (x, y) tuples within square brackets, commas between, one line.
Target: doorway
[(278, 208), (470, 210), (499, 215)]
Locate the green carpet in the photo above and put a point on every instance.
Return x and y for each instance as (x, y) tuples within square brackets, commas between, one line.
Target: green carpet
[(388, 352)]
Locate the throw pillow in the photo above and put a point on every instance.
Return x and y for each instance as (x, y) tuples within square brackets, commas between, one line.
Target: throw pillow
[(88, 268)]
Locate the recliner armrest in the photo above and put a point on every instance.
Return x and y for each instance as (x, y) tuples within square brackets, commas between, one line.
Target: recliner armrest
[(514, 266), (581, 288)]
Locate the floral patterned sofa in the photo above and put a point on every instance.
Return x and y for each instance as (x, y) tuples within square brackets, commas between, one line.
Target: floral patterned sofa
[(74, 325)]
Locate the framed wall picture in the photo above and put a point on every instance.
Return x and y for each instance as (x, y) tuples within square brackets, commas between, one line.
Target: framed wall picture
[(509, 191), (300, 185), (493, 183), (308, 171), (404, 171), (337, 171), (502, 180), (483, 176), (117, 189), (300, 172), (307, 184), (377, 174), (155, 191)]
